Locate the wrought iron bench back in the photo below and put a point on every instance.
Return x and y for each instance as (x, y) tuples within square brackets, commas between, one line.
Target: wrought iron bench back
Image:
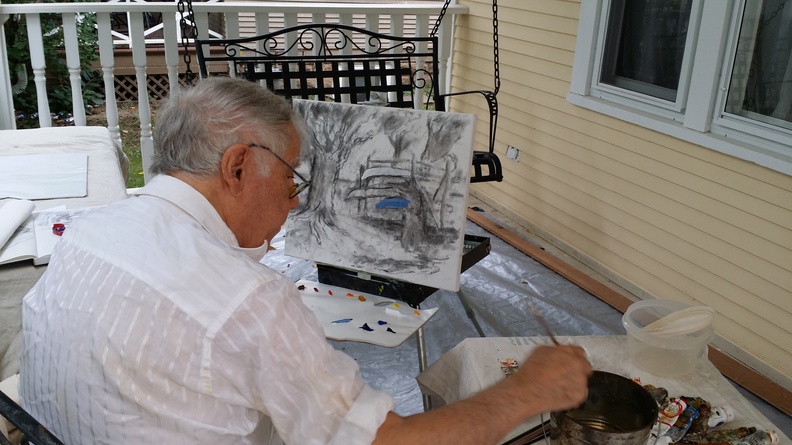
[(334, 62), (341, 63)]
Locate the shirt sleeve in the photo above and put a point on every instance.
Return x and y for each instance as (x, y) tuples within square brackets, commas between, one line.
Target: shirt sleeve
[(275, 356)]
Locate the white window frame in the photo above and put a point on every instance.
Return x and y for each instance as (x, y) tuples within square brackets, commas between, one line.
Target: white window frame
[(697, 115)]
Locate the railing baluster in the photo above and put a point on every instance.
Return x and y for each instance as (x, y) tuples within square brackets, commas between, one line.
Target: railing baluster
[(262, 27), (317, 17), (73, 66), (36, 42), (171, 52), (202, 24), (372, 22), (346, 19), (232, 25), (443, 75), (108, 73), (421, 22), (144, 109), (7, 115), (291, 19), (372, 16), (232, 32), (201, 20), (397, 24)]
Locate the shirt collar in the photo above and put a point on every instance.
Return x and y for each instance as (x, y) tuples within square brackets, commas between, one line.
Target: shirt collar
[(196, 205), (191, 201)]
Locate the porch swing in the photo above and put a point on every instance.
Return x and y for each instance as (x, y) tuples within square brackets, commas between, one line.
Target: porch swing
[(487, 158), (342, 63)]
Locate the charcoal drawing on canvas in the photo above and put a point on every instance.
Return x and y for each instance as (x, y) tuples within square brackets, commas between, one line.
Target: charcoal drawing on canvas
[(389, 191)]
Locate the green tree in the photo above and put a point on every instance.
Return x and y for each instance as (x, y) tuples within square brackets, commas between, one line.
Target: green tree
[(57, 74)]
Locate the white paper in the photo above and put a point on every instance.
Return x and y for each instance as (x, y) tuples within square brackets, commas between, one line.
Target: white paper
[(332, 305), (44, 176), (13, 212)]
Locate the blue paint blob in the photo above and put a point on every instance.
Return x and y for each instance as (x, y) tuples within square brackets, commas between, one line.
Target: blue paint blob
[(343, 320), (382, 322), (366, 327), (393, 203)]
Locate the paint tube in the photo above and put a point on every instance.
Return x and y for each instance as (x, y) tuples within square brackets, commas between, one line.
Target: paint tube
[(719, 436), (666, 417), (760, 437), (700, 424), (720, 415), (658, 393), (768, 437), (680, 427)]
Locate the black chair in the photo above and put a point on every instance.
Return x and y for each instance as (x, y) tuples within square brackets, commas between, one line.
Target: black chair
[(341, 63), (32, 431)]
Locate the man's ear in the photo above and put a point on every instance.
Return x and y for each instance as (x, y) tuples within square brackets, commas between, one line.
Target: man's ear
[(236, 162)]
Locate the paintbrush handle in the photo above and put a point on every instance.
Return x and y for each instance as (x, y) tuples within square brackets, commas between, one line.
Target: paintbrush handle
[(544, 325)]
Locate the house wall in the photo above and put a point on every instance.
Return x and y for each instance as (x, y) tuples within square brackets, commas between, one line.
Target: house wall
[(247, 22), (662, 217)]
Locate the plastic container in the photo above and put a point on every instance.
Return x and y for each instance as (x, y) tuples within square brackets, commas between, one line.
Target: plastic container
[(663, 355)]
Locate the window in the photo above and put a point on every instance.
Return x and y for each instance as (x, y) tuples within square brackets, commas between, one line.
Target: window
[(760, 87), (717, 73), (645, 46)]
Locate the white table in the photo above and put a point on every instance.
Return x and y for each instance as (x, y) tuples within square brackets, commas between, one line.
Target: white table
[(107, 175), (474, 364)]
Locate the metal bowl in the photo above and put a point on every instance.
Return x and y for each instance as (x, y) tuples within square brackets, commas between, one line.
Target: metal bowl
[(617, 411)]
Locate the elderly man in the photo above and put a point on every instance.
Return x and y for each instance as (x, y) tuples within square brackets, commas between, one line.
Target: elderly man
[(156, 323)]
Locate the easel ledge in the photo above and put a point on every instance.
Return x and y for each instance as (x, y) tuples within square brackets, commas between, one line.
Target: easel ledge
[(730, 367)]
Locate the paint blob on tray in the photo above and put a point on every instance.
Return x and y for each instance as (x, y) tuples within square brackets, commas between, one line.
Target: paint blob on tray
[(347, 314)]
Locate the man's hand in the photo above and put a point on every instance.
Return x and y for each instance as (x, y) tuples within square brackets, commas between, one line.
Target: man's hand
[(553, 378)]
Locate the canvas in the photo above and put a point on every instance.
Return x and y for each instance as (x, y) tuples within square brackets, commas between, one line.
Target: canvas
[(388, 194)]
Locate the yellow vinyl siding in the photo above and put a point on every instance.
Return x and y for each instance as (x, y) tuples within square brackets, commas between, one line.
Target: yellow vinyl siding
[(669, 218)]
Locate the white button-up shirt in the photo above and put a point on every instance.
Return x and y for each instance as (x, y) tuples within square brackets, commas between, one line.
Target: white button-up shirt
[(151, 325)]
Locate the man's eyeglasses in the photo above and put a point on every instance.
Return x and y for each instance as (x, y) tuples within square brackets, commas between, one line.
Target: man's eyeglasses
[(296, 188)]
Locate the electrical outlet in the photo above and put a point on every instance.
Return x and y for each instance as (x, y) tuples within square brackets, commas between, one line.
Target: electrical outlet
[(513, 153)]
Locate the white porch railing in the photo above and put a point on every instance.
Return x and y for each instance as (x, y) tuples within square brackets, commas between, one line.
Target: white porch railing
[(240, 18)]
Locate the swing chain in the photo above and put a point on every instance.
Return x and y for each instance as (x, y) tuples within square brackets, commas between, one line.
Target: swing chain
[(440, 18), (182, 6), (495, 51)]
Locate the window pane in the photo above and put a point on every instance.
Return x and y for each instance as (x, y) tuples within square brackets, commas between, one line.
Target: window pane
[(761, 82), (645, 45)]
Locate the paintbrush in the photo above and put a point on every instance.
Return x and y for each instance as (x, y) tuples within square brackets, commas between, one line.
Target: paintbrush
[(544, 324)]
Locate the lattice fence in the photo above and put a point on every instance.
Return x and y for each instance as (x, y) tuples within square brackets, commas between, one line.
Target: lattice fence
[(157, 86)]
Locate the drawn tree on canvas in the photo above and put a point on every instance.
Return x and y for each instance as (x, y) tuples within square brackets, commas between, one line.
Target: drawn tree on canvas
[(334, 136), (445, 131)]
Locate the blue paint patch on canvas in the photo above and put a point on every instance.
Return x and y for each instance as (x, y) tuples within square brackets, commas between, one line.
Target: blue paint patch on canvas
[(393, 203)]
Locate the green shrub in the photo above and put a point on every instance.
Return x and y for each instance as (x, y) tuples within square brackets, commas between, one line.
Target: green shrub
[(57, 74)]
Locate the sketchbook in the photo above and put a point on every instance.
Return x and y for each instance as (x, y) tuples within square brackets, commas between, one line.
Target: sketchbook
[(13, 212), (351, 315), (36, 238)]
